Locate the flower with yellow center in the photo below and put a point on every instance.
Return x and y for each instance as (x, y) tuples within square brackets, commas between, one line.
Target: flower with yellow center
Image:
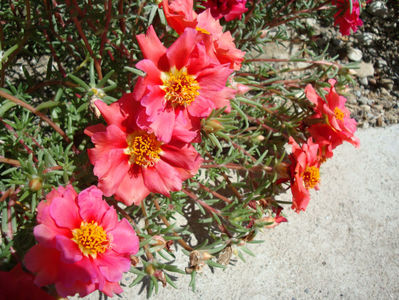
[(143, 148), (91, 238), (311, 177), (180, 88), (339, 114)]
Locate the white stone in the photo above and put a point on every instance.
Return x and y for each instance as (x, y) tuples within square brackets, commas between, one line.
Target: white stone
[(355, 54)]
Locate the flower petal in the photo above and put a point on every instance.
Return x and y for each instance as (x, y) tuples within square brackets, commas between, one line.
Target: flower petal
[(150, 45), (124, 238), (112, 266), (178, 53), (162, 178), (91, 204), (70, 252), (132, 189), (44, 262), (65, 213)]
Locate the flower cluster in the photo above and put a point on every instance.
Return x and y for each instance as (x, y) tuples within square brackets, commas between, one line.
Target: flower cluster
[(331, 125), (145, 147), (147, 143)]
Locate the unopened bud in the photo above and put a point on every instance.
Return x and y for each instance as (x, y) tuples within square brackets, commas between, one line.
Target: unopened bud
[(282, 170), (159, 240), (134, 260), (212, 126), (35, 184), (93, 107), (260, 138), (150, 269)]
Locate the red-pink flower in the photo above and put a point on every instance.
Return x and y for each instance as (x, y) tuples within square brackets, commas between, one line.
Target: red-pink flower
[(18, 285), (344, 18), (229, 9), (81, 246), (182, 81), (131, 161), (180, 15), (305, 175), (338, 126)]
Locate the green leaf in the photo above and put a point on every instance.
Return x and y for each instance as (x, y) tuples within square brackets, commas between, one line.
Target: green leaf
[(6, 106), (47, 104), (135, 71)]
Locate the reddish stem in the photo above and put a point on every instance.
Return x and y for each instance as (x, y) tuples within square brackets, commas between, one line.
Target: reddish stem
[(36, 112), (209, 208)]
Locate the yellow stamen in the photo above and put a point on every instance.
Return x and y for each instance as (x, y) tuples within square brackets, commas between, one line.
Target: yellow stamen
[(91, 238), (202, 30), (311, 177), (143, 148), (180, 88), (339, 114)]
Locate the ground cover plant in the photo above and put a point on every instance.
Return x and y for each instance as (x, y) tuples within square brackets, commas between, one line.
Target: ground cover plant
[(132, 128)]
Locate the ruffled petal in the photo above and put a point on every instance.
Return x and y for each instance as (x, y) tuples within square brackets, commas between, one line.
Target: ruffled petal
[(110, 219), (91, 204), (153, 73), (111, 288), (70, 252), (65, 213), (132, 190), (179, 52), (91, 130), (111, 113), (113, 266), (124, 238), (45, 234), (150, 45), (162, 178), (163, 125), (201, 107), (180, 155)]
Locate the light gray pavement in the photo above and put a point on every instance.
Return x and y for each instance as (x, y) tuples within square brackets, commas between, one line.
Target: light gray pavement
[(345, 246)]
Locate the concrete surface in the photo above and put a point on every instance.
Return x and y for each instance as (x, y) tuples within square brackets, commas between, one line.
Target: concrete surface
[(345, 246)]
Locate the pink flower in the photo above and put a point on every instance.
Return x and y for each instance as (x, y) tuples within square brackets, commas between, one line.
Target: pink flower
[(305, 173), (131, 161), (81, 246), (183, 81), (344, 18), (229, 9), (338, 126), (18, 285), (180, 15)]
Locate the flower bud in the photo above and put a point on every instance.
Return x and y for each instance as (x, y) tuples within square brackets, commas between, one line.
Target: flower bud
[(94, 108), (282, 170), (259, 138), (35, 184), (134, 260), (150, 269), (212, 126)]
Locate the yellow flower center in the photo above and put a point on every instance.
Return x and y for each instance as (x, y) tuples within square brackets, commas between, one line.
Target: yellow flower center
[(311, 177), (91, 238), (180, 88), (202, 30), (339, 114), (143, 148)]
